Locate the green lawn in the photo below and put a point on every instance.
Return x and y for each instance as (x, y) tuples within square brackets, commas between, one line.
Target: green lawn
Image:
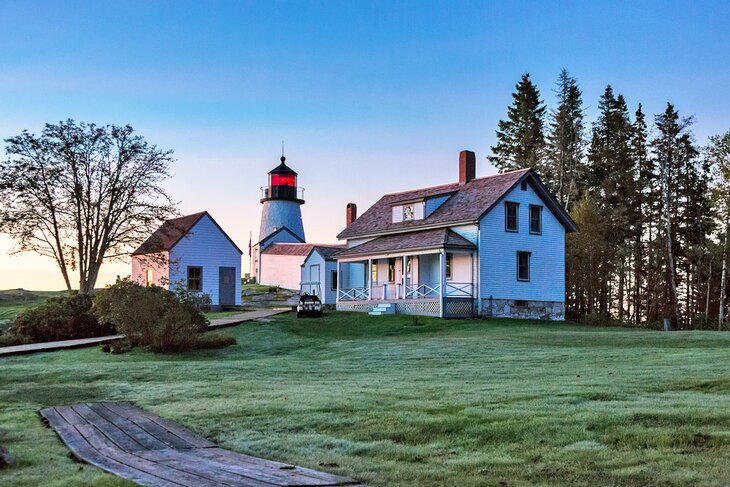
[(13, 301), (393, 402)]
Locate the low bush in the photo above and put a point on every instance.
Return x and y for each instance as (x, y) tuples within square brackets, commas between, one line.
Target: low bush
[(61, 318), (10, 339), (150, 316), (210, 341)]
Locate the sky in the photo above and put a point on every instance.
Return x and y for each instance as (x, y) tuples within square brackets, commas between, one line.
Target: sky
[(369, 97)]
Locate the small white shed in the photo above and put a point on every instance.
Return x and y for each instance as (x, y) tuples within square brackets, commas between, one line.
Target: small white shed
[(319, 273), (194, 251)]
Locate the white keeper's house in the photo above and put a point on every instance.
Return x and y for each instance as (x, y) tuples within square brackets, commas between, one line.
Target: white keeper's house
[(192, 251), (490, 246)]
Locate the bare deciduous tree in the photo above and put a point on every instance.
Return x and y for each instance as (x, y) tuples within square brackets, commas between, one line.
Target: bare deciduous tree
[(82, 194)]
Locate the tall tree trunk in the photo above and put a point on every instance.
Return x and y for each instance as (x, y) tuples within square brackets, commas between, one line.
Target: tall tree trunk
[(671, 269), (721, 314), (707, 298)]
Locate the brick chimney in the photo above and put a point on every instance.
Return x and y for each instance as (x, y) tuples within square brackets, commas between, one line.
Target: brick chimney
[(351, 213), (467, 166)]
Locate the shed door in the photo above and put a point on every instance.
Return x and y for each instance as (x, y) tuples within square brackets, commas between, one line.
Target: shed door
[(314, 279), (227, 286)]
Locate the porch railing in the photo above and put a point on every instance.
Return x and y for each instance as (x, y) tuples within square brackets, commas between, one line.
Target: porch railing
[(419, 291), (459, 290), (354, 294), (416, 291)]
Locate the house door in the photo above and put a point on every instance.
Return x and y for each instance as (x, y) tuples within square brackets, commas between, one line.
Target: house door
[(227, 286)]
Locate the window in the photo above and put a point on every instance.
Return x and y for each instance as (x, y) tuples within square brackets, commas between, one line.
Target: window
[(391, 270), (149, 277), (195, 278), (523, 185), (535, 219), (523, 266), (408, 212), (449, 264), (374, 272), (520, 304), (511, 220), (333, 285)]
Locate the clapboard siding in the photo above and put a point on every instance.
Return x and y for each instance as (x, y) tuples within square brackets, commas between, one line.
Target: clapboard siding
[(208, 247), (498, 253)]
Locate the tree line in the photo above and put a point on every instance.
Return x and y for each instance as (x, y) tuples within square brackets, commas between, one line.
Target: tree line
[(651, 205)]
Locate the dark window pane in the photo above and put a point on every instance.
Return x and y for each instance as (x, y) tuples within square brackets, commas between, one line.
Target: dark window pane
[(195, 278), (523, 266), (391, 270), (535, 219), (511, 218)]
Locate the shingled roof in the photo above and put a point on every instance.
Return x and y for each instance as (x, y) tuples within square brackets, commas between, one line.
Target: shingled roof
[(281, 248), (425, 239), (467, 202), (172, 231)]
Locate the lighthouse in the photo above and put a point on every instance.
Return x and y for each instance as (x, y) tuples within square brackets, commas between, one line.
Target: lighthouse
[(282, 200)]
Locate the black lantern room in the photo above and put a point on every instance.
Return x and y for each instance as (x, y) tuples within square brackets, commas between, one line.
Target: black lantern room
[(282, 184)]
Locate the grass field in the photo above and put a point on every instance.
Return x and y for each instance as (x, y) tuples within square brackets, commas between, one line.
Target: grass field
[(391, 401), (13, 301)]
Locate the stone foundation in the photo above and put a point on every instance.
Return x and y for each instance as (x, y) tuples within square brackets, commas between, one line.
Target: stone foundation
[(526, 310)]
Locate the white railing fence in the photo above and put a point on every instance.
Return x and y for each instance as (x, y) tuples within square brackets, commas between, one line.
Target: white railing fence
[(459, 290), (419, 291), (354, 294)]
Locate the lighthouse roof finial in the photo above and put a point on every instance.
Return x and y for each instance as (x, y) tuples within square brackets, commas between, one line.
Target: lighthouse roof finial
[(282, 152)]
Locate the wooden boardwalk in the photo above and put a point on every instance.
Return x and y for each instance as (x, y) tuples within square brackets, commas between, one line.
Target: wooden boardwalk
[(153, 451)]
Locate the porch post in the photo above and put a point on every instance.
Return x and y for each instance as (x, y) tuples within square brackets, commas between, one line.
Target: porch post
[(339, 280), (403, 278), (369, 277), (442, 281)]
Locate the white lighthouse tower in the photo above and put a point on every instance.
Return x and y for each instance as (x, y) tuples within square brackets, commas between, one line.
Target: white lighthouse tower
[(282, 201)]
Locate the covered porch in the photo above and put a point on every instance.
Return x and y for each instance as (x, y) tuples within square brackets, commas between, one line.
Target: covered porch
[(431, 280)]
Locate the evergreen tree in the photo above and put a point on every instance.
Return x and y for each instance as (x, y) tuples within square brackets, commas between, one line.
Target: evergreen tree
[(611, 181), (520, 140), (641, 208), (565, 142)]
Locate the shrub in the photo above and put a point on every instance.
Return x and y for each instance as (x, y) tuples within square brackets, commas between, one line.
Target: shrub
[(208, 341), (9, 339), (61, 318), (150, 316)]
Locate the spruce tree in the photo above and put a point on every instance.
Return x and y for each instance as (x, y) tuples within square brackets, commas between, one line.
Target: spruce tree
[(565, 142), (520, 140)]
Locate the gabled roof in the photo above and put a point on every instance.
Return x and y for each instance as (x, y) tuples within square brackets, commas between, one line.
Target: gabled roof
[(172, 231), (278, 231), (327, 251), (467, 203), (425, 239)]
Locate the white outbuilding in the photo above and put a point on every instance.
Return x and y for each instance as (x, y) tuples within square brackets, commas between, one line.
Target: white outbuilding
[(192, 251)]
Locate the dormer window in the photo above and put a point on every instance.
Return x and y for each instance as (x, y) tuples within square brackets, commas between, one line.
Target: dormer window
[(408, 213)]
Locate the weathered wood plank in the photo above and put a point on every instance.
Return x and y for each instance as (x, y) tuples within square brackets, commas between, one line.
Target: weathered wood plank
[(133, 413), (155, 430), (150, 450), (139, 435), (292, 472), (84, 451), (53, 417), (106, 447), (188, 460), (71, 416), (116, 435)]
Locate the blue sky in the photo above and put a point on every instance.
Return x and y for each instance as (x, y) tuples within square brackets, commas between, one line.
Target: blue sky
[(370, 97)]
